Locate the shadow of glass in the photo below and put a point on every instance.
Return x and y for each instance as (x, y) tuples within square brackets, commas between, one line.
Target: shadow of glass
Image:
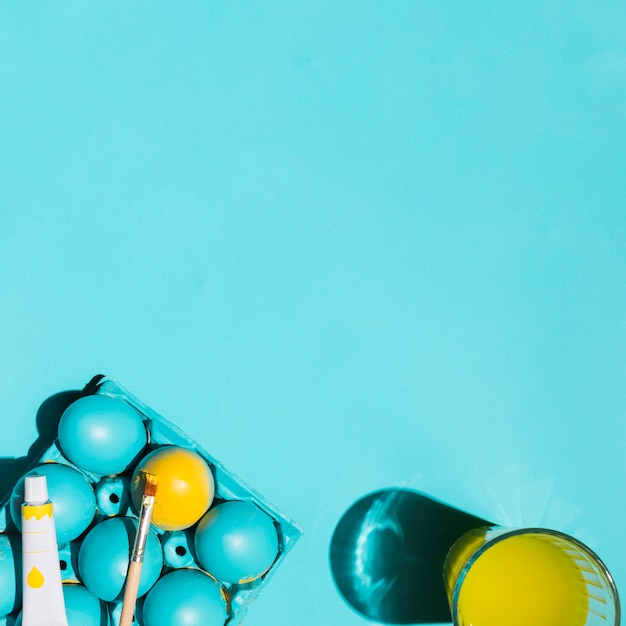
[(387, 554), (47, 422)]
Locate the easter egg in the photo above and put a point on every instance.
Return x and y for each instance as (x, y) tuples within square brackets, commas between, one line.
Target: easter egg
[(10, 573), (104, 558), (185, 486), (185, 596), (102, 435), (73, 500), (236, 542), (83, 608)]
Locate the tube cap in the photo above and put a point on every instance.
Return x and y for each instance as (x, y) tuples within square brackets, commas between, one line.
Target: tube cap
[(35, 489)]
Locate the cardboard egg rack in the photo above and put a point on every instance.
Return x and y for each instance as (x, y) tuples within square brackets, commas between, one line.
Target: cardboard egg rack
[(113, 499)]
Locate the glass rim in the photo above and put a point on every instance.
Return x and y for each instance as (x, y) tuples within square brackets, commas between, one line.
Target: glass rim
[(454, 604)]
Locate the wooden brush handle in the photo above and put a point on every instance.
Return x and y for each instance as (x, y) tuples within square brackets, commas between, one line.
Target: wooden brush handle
[(130, 593)]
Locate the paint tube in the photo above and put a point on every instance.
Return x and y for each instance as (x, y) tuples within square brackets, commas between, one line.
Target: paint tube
[(42, 603)]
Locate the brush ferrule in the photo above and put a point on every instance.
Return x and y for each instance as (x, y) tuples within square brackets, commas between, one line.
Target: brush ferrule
[(147, 504)]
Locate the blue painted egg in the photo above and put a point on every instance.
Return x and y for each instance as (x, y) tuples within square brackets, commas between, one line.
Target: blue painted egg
[(83, 608), (236, 542), (185, 596), (73, 500), (104, 558), (102, 435), (10, 573)]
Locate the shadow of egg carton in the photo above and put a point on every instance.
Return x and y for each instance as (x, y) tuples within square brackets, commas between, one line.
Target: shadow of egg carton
[(113, 500)]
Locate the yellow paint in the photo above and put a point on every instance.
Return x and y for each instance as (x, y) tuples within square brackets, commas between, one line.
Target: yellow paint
[(245, 581), (38, 511), (524, 580), (35, 578), (185, 487)]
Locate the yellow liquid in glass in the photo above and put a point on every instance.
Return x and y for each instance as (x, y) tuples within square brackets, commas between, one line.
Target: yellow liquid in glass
[(524, 580)]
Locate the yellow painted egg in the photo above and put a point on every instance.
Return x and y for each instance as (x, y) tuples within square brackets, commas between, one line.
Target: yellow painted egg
[(185, 486)]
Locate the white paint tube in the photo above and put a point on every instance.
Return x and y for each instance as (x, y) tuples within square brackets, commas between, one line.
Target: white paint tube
[(42, 601)]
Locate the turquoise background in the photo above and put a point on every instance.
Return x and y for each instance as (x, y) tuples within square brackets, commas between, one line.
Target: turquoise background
[(343, 245)]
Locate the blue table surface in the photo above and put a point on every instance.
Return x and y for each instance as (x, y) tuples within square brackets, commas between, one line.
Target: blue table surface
[(344, 246)]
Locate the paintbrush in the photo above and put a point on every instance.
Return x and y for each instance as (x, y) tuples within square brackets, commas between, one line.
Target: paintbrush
[(134, 569)]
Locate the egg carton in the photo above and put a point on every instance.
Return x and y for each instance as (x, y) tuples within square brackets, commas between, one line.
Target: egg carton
[(113, 499)]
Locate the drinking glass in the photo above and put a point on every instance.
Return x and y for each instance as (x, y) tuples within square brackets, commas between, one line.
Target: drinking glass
[(497, 576)]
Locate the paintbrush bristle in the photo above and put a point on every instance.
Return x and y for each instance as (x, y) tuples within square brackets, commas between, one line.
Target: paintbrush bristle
[(151, 484)]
